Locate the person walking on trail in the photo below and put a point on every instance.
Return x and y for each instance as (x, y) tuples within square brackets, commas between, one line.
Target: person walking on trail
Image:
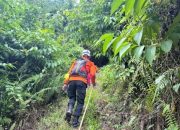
[(80, 75)]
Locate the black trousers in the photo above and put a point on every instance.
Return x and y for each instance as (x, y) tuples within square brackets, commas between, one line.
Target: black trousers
[(77, 92)]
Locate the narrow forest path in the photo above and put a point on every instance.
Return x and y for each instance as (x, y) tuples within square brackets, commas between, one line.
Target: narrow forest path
[(54, 118)]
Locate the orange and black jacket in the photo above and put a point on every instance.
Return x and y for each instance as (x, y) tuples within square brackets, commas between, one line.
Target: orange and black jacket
[(91, 72)]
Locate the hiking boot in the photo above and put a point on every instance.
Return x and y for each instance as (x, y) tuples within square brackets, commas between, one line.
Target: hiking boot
[(68, 117), (75, 121), (69, 113)]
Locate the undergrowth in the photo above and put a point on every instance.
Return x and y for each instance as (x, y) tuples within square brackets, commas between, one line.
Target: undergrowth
[(54, 118), (92, 121), (136, 98)]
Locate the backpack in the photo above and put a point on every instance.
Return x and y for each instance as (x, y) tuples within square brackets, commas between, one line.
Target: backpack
[(79, 68)]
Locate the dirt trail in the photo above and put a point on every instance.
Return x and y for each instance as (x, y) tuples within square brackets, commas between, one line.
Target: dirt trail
[(51, 117), (54, 119)]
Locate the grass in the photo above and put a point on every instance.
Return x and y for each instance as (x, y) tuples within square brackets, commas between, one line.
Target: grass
[(54, 119), (92, 121)]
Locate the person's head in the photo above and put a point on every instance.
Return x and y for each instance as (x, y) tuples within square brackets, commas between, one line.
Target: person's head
[(86, 54)]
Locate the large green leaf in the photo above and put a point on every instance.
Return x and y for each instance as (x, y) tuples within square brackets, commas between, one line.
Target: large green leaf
[(103, 37), (124, 50), (115, 43), (119, 45), (138, 52), (108, 42), (138, 6), (150, 54), (138, 36), (166, 45), (129, 6), (115, 5)]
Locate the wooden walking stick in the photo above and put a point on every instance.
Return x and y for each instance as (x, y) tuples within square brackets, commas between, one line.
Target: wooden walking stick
[(85, 109)]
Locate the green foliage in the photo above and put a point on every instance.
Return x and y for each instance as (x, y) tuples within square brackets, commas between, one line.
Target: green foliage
[(39, 40), (167, 81), (176, 87), (54, 117), (106, 38), (140, 29), (173, 32), (170, 118), (149, 98), (129, 6), (92, 121), (32, 61), (38, 44), (107, 78), (141, 92), (138, 52), (166, 45), (87, 20), (138, 37), (115, 5), (150, 54)]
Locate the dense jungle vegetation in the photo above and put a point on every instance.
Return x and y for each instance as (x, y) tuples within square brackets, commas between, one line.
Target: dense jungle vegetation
[(136, 44)]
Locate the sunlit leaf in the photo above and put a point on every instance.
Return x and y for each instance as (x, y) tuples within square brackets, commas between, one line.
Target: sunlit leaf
[(129, 6), (138, 6), (138, 36), (107, 45), (119, 45), (124, 50), (115, 5), (115, 42), (103, 37), (107, 42)]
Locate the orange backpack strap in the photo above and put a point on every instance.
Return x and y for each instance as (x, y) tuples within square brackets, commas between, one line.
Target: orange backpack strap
[(72, 66)]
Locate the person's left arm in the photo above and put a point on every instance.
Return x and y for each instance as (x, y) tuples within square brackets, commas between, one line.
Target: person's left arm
[(93, 74)]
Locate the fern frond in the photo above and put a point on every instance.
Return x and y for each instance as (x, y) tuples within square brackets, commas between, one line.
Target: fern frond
[(32, 78), (162, 81), (148, 78), (149, 98), (169, 117)]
